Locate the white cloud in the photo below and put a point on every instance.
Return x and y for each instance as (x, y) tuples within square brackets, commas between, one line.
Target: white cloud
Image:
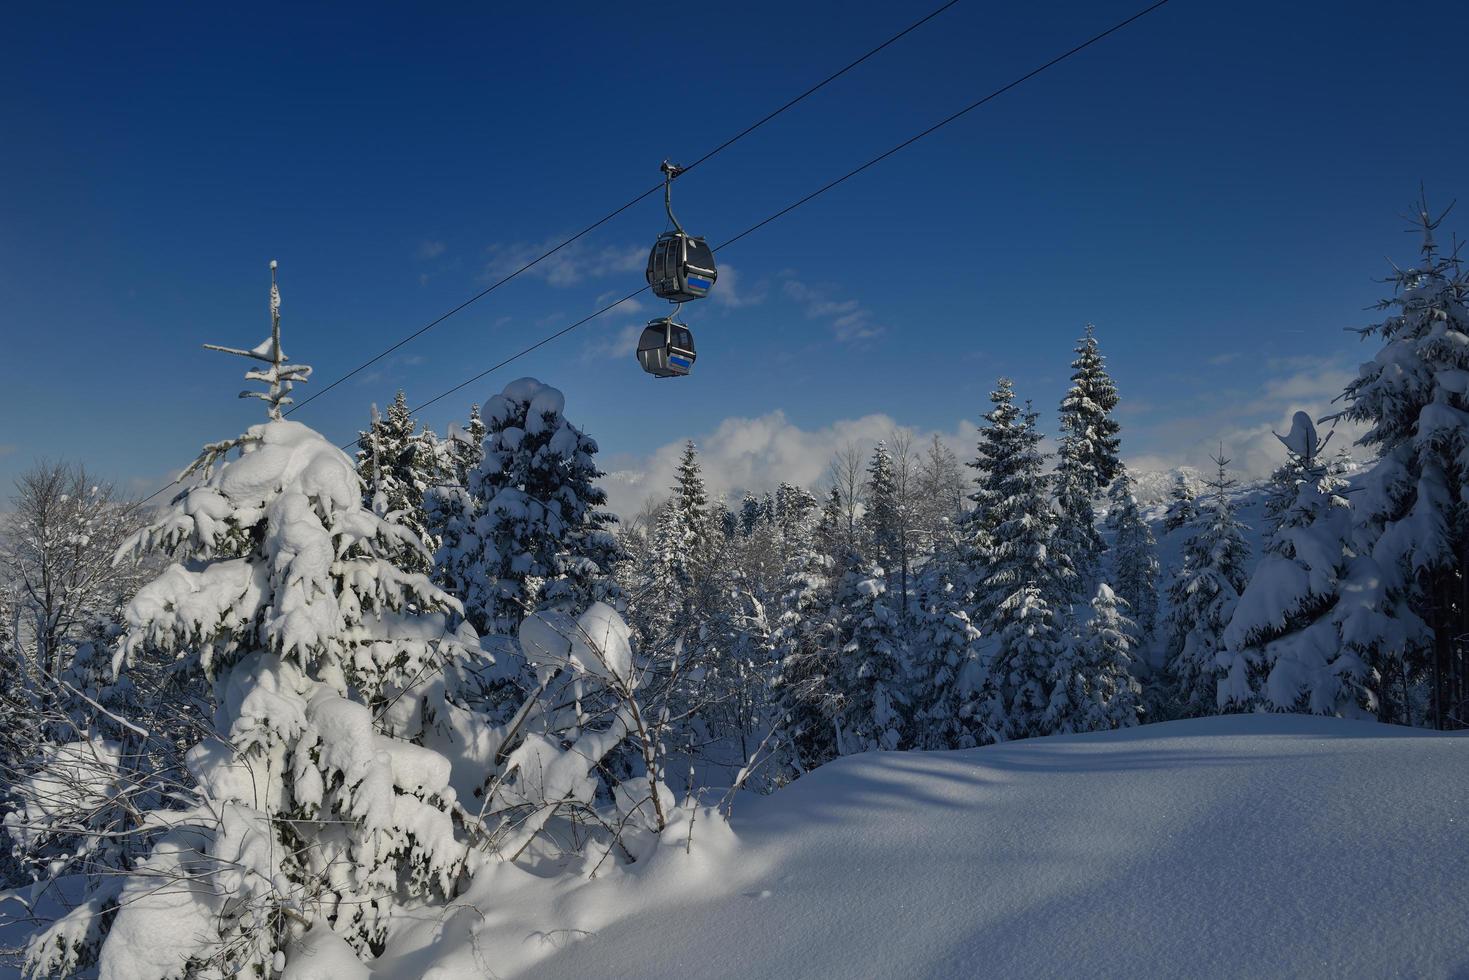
[(430, 250), (1243, 422), (849, 320), (613, 345), (571, 265), (757, 453), (730, 292)]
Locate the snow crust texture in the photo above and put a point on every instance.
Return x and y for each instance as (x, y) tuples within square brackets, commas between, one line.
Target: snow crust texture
[(1254, 845)]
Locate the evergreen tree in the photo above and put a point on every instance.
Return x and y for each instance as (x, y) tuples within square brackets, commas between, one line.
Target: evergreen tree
[(1203, 596), (538, 537), (805, 649), (449, 506), (1135, 565), (1284, 645), (944, 655), (311, 801), (1095, 689), (1086, 462), (398, 466), (1183, 510), (1023, 577), (871, 668), (1411, 519), (882, 522)]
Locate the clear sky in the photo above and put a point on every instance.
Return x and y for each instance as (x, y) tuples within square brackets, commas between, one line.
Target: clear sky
[(1217, 188)]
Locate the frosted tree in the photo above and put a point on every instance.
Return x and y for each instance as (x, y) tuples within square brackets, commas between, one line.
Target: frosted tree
[(1182, 510), (538, 536), (56, 549), (883, 522), (1135, 566), (804, 647), (398, 466), (449, 507), (1023, 577), (871, 667), (1095, 689), (945, 649), (1411, 520), (940, 493), (1086, 460), (1203, 596), (312, 805), (1284, 649)]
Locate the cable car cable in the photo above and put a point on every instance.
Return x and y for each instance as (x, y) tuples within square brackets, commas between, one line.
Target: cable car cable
[(609, 216), (783, 211), (814, 194)]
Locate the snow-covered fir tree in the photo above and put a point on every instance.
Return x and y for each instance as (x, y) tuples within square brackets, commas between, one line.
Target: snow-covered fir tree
[(944, 656), (399, 465), (1183, 509), (872, 676), (883, 523), (1135, 565), (538, 536), (1203, 595), (1086, 461), (312, 803), (1023, 577), (1095, 689), (1284, 649), (450, 508), (1410, 516)]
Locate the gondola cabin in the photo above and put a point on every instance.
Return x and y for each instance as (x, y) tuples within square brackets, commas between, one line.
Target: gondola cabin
[(666, 349), (681, 267)]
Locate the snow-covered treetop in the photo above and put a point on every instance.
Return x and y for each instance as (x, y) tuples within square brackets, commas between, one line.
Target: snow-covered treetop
[(274, 550)]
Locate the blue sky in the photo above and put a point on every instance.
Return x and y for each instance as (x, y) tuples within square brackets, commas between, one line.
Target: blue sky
[(1216, 188)]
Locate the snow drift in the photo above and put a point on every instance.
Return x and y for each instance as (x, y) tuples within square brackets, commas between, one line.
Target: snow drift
[(1256, 845)]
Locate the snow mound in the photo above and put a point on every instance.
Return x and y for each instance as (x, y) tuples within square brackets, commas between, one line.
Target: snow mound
[(1257, 845)]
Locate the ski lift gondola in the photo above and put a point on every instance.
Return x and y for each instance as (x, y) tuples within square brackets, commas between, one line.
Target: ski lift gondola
[(681, 266), (666, 348)]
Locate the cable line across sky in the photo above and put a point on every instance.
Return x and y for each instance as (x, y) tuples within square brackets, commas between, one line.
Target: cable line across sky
[(829, 185)]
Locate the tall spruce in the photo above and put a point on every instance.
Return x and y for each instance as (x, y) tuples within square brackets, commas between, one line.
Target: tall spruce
[(1086, 461), (1411, 517), (399, 465), (1023, 577), (1285, 648), (1135, 566), (1203, 596)]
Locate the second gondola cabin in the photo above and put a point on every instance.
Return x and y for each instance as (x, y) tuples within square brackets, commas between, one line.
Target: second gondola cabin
[(681, 267), (666, 349)]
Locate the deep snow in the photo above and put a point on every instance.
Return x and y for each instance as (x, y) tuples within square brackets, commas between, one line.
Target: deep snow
[(1230, 846)]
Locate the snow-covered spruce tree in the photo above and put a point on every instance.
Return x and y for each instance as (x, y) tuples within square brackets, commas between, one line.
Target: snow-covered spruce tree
[(399, 466), (537, 537), (883, 523), (1135, 566), (944, 651), (1086, 461), (1023, 577), (1284, 649), (805, 650), (1095, 689), (1411, 516), (1203, 596), (872, 676), (309, 808), (448, 506), (1183, 509)]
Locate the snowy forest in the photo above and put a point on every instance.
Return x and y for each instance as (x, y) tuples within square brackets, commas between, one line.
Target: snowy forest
[(257, 729)]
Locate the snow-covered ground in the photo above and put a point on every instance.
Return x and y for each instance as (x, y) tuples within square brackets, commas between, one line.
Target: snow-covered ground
[(1230, 846)]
